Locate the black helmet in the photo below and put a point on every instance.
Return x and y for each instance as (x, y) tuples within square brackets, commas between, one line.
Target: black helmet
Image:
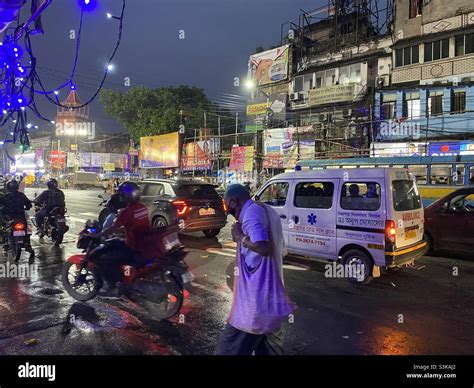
[(52, 184), (13, 186), (129, 192)]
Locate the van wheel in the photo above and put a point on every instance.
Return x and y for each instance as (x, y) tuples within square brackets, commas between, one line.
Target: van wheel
[(359, 266)]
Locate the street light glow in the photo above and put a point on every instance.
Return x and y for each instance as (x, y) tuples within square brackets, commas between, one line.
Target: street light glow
[(249, 84)]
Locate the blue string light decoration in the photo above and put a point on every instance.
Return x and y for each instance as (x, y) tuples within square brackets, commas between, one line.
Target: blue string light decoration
[(19, 81)]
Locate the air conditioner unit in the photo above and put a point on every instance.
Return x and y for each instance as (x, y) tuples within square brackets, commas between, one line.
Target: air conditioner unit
[(295, 96), (346, 113)]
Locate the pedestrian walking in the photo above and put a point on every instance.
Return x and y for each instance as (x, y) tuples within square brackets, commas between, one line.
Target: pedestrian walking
[(260, 304)]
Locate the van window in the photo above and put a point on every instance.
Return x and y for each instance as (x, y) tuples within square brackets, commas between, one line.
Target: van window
[(405, 195), (275, 194), (314, 195), (360, 196)]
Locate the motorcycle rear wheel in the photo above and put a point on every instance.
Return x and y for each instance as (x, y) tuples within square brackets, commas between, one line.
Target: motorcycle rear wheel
[(166, 303), (88, 286)]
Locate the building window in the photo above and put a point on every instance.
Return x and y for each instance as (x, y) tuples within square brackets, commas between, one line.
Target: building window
[(407, 56), (349, 74), (416, 7), (330, 77), (319, 79), (435, 104), (436, 50), (307, 82), (389, 110), (458, 102), (464, 44), (411, 106), (298, 84)]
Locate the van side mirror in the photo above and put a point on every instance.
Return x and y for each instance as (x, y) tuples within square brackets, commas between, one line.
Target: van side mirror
[(257, 198)]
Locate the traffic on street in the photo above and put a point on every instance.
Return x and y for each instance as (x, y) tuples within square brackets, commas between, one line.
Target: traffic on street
[(425, 308)]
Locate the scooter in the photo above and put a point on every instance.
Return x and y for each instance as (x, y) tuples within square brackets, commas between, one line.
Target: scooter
[(155, 285), (17, 238), (54, 225)]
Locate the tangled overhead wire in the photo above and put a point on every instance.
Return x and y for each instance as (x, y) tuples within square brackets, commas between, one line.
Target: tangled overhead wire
[(20, 82)]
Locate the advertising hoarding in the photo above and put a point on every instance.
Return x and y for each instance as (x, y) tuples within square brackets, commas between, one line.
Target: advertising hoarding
[(160, 151), (269, 66)]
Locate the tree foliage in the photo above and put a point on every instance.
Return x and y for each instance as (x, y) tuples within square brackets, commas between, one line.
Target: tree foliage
[(144, 111)]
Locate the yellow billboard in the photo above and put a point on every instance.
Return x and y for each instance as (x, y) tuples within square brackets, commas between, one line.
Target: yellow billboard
[(160, 151), (257, 109)]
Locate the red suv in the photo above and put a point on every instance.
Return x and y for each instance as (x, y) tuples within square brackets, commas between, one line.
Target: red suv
[(449, 222), (195, 205)]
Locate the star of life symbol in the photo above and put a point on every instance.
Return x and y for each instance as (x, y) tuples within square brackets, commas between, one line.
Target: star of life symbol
[(312, 218)]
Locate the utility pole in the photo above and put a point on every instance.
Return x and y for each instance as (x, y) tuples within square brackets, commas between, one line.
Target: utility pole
[(219, 144), (236, 127)]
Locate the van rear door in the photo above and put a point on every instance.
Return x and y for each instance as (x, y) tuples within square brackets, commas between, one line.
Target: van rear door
[(407, 208)]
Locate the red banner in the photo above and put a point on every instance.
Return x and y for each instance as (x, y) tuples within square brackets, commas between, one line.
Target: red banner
[(58, 160), (241, 158)]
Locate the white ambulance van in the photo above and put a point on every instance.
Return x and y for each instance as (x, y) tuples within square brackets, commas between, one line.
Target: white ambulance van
[(361, 218)]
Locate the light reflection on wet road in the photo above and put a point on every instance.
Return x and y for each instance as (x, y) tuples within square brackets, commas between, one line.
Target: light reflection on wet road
[(420, 310)]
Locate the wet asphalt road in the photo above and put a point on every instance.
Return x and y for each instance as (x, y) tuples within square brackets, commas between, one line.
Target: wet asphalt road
[(418, 310)]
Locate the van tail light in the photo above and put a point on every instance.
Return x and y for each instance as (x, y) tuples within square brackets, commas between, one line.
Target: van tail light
[(390, 232), (18, 226), (224, 206), (181, 207)]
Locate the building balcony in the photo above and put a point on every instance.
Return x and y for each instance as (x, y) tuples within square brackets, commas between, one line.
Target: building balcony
[(439, 70)]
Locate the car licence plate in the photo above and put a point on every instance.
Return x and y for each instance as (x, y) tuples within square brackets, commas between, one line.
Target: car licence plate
[(17, 233), (409, 234), (187, 277), (207, 212)]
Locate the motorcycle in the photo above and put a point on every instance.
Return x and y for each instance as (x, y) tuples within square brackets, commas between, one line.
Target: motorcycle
[(54, 225), (16, 238), (157, 286)]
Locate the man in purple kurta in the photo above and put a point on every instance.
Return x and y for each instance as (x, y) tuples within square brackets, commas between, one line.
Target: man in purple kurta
[(260, 304)]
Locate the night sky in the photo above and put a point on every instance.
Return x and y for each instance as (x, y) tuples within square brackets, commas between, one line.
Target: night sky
[(219, 37)]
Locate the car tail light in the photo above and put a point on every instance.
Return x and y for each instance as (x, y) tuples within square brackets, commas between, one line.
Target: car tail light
[(181, 207), (224, 206), (19, 226), (390, 232)]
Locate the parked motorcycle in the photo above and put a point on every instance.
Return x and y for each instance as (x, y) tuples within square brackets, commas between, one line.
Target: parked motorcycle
[(16, 238), (156, 286), (54, 225)]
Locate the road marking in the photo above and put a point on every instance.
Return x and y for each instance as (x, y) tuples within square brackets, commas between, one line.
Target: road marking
[(294, 267), (89, 214)]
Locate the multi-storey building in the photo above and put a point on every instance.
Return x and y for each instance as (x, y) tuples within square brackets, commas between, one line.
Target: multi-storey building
[(431, 86)]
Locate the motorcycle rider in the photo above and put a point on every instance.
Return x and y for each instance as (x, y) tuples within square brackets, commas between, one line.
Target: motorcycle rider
[(135, 221), (14, 203), (48, 200)]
